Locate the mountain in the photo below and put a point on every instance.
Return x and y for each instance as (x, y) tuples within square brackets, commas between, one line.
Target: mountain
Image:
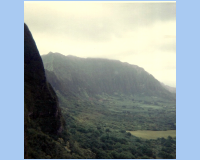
[(88, 77), (170, 89), (42, 114), (102, 100)]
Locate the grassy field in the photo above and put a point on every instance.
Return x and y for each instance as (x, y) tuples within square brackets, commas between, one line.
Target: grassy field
[(153, 134)]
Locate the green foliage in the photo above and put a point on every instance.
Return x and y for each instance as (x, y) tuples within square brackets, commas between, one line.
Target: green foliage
[(93, 136), (41, 145)]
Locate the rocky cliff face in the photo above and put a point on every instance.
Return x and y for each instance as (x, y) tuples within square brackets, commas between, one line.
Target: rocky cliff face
[(41, 108)]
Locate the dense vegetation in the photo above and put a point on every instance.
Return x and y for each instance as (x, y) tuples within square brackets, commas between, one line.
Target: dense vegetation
[(101, 127)]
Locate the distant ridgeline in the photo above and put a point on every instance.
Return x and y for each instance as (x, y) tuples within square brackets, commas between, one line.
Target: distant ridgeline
[(81, 77), (42, 115)]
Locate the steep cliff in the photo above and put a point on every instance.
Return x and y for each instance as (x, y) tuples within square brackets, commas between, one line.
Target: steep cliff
[(41, 108)]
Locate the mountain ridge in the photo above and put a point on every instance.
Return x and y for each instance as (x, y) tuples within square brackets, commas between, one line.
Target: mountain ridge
[(97, 76)]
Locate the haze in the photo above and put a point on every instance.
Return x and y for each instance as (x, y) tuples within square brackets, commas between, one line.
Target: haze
[(140, 33)]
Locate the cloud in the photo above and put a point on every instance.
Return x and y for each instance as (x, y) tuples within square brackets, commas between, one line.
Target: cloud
[(95, 21), (138, 33)]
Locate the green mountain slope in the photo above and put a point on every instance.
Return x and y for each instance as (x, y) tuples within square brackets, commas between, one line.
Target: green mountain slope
[(79, 76), (102, 100)]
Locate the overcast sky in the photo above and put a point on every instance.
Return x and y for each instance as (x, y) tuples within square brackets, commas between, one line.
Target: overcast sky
[(139, 33)]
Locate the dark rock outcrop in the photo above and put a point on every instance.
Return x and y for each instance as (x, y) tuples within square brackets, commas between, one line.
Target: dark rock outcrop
[(41, 106)]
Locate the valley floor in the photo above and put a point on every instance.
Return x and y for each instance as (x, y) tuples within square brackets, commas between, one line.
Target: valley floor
[(113, 127)]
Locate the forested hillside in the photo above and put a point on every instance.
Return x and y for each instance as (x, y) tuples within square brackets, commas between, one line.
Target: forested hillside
[(106, 103)]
